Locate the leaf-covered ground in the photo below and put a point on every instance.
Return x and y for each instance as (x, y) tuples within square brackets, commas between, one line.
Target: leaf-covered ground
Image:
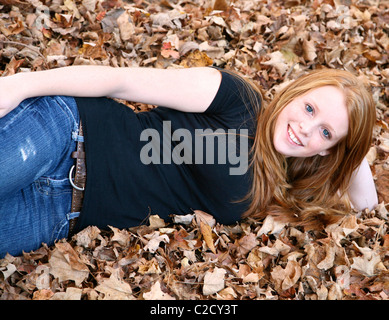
[(271, 42)]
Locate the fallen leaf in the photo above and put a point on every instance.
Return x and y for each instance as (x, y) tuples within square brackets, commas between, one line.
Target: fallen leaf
[(126, 27), (44, 294), (277, 61), (154, 241), (206, 231), (204, 217), (7, 271), (66, 265), (328, 261), (246, 244), (184, 219), (288, 277), (309, 50), (156, 293), (85, 237), (196, 59), (150, 267), (69, 294), (277, 248), (43, 281), (156, 222), (115, 288), (366, 263), (89, 5), (213, 281), (271, 225), (227, 294)]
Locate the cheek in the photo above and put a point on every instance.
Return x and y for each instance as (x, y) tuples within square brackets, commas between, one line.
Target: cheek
[(283, 119), (317, 143), (278, 125)]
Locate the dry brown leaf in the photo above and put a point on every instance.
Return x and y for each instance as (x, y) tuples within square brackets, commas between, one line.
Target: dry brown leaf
[(246, 244), (154, 241), (85, 237), (382, 183), (126, 28), (69, 294), (328, 261), (277, 248), (150, 267), (206, 231), (156, 222), (66, 265), (204, 217), (366, 263), (271, 226), (156, 293), (44, 294), (277, 60), (196, 59), (309, 50), (115, 288), (7, 271), (227, 294), (288, 277), (214, 281)]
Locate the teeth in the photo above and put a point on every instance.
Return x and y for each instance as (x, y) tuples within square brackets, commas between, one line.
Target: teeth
[(293, 137)]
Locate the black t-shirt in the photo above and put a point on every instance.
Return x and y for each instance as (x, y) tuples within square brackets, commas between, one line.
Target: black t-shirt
[(165, 161)]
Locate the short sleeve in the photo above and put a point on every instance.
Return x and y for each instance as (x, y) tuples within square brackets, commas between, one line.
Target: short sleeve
[(233, 96)]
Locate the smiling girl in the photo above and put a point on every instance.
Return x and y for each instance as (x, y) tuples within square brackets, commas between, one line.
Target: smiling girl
[(310, 148), (306, 126), (307, 150)]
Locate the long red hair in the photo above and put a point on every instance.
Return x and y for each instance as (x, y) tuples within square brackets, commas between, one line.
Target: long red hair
[(310, 191)]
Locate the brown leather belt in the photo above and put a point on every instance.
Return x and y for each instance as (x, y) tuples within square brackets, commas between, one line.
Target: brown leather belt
[(79, 180)]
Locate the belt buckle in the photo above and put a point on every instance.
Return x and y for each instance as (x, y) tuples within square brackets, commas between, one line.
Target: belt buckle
[(71, 180)]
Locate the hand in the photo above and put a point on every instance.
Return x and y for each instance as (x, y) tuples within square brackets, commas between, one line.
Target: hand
[(10, 94)]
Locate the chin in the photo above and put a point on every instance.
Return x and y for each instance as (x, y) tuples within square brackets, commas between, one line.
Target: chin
[(282, 151)]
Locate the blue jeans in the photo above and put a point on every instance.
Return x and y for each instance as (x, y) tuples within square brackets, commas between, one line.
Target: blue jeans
[(36, 142)]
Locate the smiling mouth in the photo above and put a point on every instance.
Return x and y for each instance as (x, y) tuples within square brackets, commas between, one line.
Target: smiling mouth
[(293, 137)]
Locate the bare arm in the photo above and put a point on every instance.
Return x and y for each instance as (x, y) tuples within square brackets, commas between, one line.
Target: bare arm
[(182, 89), (362, 190)]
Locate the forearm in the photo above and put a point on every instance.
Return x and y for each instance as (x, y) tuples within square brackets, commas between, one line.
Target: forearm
[(78, 81), (188, 89), (362, 191)]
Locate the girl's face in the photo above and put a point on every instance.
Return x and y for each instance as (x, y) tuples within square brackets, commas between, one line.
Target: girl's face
[(312, 123)]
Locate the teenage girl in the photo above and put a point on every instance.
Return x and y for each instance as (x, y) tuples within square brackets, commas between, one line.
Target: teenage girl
[(305, 151)]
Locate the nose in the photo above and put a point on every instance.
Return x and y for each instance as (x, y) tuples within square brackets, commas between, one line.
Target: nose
[(305, 128)]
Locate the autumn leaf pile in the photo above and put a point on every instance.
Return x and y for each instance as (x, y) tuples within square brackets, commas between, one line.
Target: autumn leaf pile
[(270, 42)]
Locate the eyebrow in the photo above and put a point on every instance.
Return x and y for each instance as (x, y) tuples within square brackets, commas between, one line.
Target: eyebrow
[(327, 125)]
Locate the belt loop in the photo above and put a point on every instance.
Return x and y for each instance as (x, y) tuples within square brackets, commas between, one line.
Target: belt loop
[(77, 134), (72, 215), (76, 137)]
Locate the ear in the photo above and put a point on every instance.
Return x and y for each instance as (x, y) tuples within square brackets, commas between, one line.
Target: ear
[(324, 153)]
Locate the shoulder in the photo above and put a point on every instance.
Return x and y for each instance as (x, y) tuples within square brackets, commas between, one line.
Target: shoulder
[(235, 91)]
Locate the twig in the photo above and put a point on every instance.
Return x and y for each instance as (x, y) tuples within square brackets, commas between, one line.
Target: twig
[(27, 46)]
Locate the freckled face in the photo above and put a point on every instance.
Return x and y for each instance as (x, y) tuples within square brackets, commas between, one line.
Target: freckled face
[(312, 123)]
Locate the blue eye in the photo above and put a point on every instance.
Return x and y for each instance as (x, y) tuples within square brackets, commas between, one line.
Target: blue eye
[(309, 108), (327, 134)]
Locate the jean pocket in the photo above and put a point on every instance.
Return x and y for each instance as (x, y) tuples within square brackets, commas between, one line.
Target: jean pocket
[(56, 195), (60, 230), (52, 187)]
